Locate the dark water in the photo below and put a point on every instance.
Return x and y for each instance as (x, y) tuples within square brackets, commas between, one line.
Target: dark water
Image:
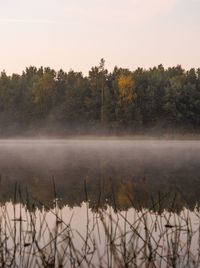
[(121, 173)]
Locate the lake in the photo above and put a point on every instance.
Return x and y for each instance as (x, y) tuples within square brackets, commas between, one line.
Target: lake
[(110, 191)]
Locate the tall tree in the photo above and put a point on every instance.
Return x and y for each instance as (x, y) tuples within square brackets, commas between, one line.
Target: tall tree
[(95, 100), (45, 94), (127, 97)]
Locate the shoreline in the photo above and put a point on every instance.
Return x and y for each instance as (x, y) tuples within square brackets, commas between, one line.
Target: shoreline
[(166, 137)]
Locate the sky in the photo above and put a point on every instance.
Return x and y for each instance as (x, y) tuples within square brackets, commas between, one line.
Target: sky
[(76, 34)]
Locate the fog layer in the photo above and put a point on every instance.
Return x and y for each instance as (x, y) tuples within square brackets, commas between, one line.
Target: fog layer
[(122, 166)]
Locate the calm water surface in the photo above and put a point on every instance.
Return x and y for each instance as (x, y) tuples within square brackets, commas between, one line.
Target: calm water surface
[(124, 193), (100, 169)]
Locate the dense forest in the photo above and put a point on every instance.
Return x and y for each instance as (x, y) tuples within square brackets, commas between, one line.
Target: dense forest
[(41, 100)]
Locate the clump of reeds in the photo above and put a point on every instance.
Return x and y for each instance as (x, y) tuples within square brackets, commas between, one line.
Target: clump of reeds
[(30, 237)]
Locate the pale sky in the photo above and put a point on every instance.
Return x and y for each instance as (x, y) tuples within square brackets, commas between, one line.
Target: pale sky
[(78, 33)]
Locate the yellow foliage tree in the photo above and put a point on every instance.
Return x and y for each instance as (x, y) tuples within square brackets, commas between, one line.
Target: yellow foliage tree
[(126, 88)]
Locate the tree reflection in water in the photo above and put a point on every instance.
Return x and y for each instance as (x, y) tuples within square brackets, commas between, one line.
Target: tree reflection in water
[(99, 203)]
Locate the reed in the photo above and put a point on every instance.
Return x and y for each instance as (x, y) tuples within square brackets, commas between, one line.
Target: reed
[(105, 237)]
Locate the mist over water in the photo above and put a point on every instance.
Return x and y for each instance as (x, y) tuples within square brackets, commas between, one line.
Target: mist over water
[(144, 189), (133, 167)]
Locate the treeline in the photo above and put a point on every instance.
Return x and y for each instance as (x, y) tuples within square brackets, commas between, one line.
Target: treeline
[(122, 100)]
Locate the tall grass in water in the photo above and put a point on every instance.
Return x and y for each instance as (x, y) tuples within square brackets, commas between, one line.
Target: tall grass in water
[(97, 237)]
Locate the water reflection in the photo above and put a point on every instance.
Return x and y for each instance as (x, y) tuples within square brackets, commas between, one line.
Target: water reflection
[(120, 173)]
